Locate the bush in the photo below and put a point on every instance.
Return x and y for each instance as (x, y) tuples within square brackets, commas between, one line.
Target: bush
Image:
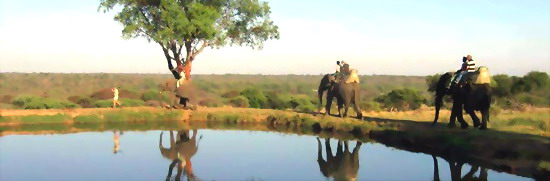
[(371, 106), (278, 101), (402, 99), (123, 103), (156, 96), (102, 103), (306, 108), (302, 103), (32, 102), (256, 98), (85, 102), (209, 102), (239, 101), (231, 94)]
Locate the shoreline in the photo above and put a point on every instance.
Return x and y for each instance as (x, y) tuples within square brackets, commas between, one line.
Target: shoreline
[(516, 153)]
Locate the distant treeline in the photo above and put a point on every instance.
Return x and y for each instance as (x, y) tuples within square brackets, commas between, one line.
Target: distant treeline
[(297, 92)]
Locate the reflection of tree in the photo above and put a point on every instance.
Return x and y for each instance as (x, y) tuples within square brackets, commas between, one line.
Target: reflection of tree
[(342, 166), (456, 171), (181, 150)]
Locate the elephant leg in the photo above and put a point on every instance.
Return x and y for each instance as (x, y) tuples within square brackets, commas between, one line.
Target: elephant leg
[(329, 103), (356, 107), (436, 169), (438, 104), (340, 103), (475, 119), (459, 116), (347, 103), (319, 150), (483, 174), (455, 112), (320, 96), (328, 150), (456, 171), (470, 174), (484, 118), (170, 169)]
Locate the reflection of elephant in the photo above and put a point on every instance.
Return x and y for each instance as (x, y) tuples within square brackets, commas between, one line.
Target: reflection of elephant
[(456, 171), (471, 96), (342, 166), (180, 152), (345, 93)]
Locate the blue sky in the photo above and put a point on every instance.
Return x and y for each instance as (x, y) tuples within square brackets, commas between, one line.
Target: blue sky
[(375, 37)]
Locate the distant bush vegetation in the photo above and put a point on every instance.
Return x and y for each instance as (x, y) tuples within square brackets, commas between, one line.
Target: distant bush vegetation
[(297, 92), (33, 102), (402, 99)]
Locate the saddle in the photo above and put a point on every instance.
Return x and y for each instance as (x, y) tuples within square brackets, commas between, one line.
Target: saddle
[(352, 77), (480, 76)]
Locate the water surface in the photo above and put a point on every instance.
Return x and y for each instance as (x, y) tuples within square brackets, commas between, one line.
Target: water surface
[(216, 155)]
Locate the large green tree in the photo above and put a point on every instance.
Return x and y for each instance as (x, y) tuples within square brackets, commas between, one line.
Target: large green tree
[(193, 25)]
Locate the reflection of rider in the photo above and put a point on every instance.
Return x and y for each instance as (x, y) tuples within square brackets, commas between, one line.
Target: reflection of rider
[(456, 171), (116, 140), (180, 152), (342, 166)]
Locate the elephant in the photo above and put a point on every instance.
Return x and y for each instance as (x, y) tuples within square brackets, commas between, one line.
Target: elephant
[(456, 171), (466, 95), (345, 93), (180, 152), (342, 166)]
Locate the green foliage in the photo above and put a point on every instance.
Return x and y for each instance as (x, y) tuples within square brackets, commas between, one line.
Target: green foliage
[(85, 102), (33, 119), (256, 98), (155, 95), (278, 101), (503, 85), (131, 102), (211, 103), (32, 102), (175, 24), (239, 101), (432, 80), (402, 99), (532, 81), (303, 103), (371, 106), (103, 103), (125, 102)]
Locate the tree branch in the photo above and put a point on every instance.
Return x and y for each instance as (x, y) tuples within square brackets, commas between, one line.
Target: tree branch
[(195, 53)]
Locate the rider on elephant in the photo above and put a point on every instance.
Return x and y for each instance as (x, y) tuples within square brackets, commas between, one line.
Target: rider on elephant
[(468, 66)]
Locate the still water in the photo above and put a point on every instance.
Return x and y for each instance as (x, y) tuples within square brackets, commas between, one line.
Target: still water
[(217, 155)]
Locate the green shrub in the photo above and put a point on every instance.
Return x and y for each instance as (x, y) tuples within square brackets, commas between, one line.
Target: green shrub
[(87, 118), (239, 101), (125, 102), (306, 108), (303, 103), (256, 98), (371, 106), (103, 103), (32, 102), (209, 102), (156, 96), (84, 102), (231, 94), (278, 101), (58, 118), (402, 99)]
